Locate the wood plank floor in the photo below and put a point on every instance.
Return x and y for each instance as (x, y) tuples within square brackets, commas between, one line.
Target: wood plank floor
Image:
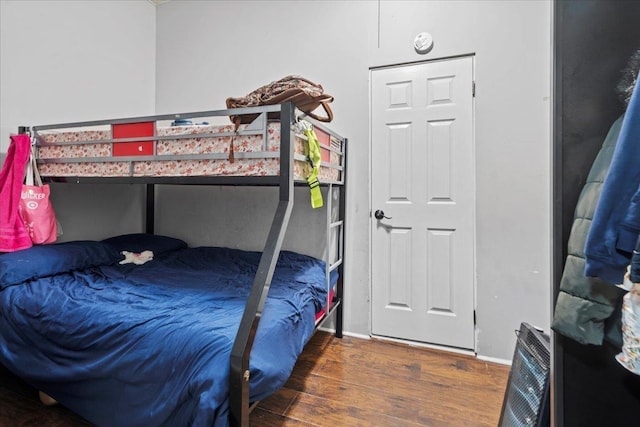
[(339, 382)]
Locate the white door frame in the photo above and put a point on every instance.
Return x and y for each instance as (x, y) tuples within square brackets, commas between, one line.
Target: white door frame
[(475, 204)]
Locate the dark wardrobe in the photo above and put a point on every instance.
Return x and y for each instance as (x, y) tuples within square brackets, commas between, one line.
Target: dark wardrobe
[(593, 41)]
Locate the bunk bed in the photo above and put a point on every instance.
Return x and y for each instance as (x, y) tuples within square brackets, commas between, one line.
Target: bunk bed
[(178, 149)]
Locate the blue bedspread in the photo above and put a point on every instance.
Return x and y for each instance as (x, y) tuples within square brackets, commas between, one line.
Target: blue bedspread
[(149, 345)]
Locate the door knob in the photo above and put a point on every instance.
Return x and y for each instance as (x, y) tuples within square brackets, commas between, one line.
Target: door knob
[(380, 214)]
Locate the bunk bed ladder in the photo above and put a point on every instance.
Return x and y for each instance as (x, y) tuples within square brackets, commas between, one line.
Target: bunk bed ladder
[(335, 303), (342, 209), (239, 366)]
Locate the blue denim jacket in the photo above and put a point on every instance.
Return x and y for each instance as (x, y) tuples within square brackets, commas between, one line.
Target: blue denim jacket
[(616, 221)]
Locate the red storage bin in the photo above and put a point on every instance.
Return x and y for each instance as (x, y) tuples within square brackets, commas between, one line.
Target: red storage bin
[(325, 141), (133, 130)]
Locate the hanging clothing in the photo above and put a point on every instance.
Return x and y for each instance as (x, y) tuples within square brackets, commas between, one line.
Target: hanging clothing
[(629, 357), (314, 156), (585, 303), (13, 234), (635, 264), (616, 221)]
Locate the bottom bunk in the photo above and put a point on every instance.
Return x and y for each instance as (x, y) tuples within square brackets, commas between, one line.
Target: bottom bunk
[(147, 341)]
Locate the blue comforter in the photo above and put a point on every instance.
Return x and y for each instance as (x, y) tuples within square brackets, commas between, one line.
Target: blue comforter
[(149, 345)]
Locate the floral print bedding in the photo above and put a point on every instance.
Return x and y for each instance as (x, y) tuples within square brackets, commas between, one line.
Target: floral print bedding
[(95, 147)]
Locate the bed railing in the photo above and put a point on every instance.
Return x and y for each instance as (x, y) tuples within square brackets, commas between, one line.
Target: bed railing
[(103, 142)]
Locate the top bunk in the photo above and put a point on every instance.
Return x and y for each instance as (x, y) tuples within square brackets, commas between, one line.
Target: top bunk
[(186, 148)]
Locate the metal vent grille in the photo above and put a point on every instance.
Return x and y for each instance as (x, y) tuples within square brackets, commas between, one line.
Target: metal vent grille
[(526, 400)]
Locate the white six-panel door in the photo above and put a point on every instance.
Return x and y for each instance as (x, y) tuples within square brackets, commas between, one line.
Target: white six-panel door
[(423, 180)]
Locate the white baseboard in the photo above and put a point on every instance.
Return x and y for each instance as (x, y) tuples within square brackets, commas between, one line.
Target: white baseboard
[(495, 360), (346, 333), (354, 335)]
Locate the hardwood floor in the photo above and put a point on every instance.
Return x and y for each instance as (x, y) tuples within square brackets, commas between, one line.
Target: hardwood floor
[(340, 382), (354, 382)]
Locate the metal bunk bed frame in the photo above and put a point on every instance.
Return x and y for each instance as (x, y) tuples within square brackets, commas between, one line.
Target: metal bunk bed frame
[(239, 378)]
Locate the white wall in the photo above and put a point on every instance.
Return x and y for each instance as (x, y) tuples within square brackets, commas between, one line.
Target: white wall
[(66, 61), (511, 41), (208, 51)]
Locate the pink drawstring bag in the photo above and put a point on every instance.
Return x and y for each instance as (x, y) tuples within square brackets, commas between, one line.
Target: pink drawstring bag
[(36, 209)]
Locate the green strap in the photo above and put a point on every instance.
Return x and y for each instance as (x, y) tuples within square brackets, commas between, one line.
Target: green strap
[(313, 147)]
